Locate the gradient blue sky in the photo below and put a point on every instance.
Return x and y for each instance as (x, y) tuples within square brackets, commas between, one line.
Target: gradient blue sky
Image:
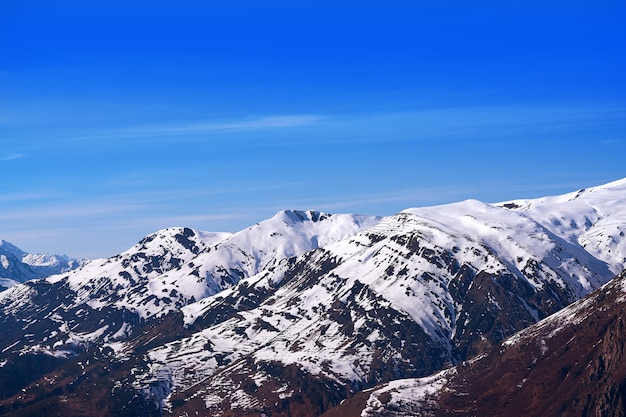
[(121, 118)]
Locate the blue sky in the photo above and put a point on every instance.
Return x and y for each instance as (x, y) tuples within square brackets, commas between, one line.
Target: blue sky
[(121, 118)]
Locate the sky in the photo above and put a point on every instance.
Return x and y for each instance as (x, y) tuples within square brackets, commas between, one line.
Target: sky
[(118, 119)]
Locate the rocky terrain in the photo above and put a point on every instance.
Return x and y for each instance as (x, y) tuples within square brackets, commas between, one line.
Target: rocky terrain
[(570, 364)]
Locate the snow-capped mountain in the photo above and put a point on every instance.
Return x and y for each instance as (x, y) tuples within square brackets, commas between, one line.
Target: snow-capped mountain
[(174, 267), (571, 363), (422, 289), (159, 275), (18, 266), (299, 312)]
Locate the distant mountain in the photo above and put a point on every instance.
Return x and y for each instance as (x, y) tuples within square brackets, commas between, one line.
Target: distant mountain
[(573, 363), (297, 313), (17, 266)]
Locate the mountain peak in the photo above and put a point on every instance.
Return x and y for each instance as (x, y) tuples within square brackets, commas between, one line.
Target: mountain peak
[(9, 247), (300, 216)]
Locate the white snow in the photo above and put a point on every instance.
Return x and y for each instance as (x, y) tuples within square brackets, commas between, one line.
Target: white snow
[(593, 218), (406, 396), (4, 261), (218, 261)]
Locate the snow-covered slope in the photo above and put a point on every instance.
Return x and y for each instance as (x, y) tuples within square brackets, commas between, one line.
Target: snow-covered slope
[(594, 218), (296, 313), (162, 273), (422, 289), (176, 266), (18, 266), (571, 363)]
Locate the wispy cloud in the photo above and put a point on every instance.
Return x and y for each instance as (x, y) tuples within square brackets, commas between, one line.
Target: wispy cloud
[(446, 123), (425, 124), (29, 196), (260, 123), (11, 156), (176, 131), (204, 127), (70, 211), (270, 122)]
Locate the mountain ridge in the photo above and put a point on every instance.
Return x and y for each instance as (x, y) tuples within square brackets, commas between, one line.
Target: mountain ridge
[(301, 311)]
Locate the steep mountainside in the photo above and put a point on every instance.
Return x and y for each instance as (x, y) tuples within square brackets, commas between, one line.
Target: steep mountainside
[(297, 313), (110, 299), (571, 364), (18, 266)]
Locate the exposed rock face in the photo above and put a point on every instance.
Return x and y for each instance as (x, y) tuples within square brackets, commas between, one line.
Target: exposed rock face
[(570, 364)]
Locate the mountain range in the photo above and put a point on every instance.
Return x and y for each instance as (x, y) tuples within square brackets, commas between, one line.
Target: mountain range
[(17, 266), (306, 310)]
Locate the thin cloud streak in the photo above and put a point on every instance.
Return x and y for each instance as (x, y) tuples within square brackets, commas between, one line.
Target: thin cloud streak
[(12, 156), (70, 211), (425, 124), (271, 122), (30, 196), (199, 128)]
